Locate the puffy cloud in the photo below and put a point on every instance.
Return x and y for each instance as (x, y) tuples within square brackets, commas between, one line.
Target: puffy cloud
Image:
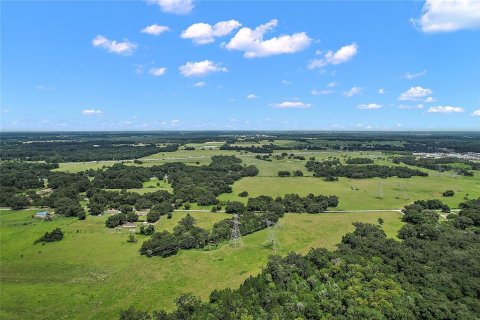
[(414, 75), (92, 112), (445, 109), (352, 92), (201, 68), (449, 15), (286, 82), (203, 33), (430, 100), (251, 41), (155, 29), (370, 106), (158, 71), (174, 6), (414, 94), (381, 91), (291, 104), (344, 54), (476, 113), (200, 84), (124, 48), (252, 96), (321, 92)]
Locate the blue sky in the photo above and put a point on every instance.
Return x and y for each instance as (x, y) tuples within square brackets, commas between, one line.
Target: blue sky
[(196, 65)]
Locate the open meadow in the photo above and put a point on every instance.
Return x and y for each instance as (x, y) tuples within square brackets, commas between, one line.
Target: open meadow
[(94, 272)]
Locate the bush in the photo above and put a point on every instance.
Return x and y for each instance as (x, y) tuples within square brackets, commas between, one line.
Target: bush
[(449, 193), (54, 235), (243, 194), (284, 173)]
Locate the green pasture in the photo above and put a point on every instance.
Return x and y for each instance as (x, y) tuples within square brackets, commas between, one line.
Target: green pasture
[(93, 272), (376, 193)]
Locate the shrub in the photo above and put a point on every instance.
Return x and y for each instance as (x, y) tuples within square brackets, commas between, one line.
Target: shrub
[(54, 235)]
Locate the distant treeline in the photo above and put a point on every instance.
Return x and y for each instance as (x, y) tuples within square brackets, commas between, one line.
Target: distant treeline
[(439, 164), (78, 151)]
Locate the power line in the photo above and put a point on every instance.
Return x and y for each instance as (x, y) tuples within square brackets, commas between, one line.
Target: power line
[(236, 237)]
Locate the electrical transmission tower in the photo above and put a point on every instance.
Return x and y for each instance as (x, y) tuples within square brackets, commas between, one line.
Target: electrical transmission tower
[(272, 240), (236, 238), (380, 190)]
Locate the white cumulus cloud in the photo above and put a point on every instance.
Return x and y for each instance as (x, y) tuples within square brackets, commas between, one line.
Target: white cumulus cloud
[(158, 71), (155, 29), (92, 112), (445, 109), (203, 33), (200, 68), (292, 104), (381, 91), (369, 106), (251, 41), (125, 47), (476, 113), (352, 92), (174, 6), (449, 15), (252, 96), (414, 94), (344, 54)]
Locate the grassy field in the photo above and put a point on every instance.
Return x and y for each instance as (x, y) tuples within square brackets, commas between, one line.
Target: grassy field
[(150, 186), (93, 272), (396, 192)]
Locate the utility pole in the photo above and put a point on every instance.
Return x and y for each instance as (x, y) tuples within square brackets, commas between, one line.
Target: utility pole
[(236, 238), (272, 240)]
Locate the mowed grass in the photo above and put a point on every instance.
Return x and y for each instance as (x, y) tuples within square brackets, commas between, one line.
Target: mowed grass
[(93, 272), (151, 185)]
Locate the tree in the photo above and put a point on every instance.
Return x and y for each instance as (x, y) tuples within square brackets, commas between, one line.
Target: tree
[(298, 173), (284, 173), (132, 217), (147, 230), (448, 193), (235, 207), (243, 194), (54, 235), (96, 208), (18, 202), (153, 216), (380, 221)]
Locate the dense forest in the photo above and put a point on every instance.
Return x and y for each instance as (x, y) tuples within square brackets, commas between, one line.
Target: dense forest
[(433, 272)]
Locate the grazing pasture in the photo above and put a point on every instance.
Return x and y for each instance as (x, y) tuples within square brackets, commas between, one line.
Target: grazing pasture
[(94, 272)]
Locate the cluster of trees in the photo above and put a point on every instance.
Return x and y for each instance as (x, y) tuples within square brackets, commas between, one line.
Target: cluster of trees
[(120, 176), (448, 193), (126, 214), (359, 161), (202, 184), (468, 217), (431, 274), (296, 173), (80, 151), (331, 169), (186, 235), (439, 164), (17, 177), (292, 203), (54, 235), (266, 148)]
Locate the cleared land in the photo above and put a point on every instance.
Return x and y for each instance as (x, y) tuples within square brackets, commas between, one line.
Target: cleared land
[(93, 272)]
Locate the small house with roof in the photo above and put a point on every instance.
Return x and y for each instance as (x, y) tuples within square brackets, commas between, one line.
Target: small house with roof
[(42, 215)]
